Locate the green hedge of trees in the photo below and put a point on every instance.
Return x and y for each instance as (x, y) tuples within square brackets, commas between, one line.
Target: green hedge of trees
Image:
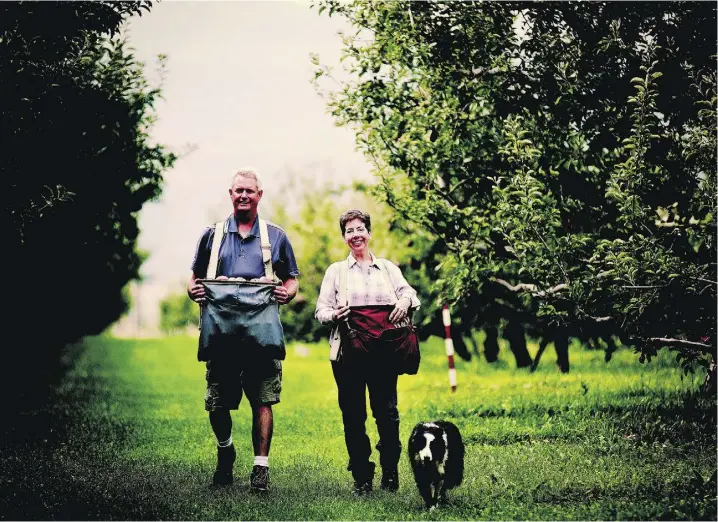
[(77, 164)]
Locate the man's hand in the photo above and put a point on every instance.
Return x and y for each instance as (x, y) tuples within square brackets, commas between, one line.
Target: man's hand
[(197, 293), (282, 294), (287, 291), (401, 310)]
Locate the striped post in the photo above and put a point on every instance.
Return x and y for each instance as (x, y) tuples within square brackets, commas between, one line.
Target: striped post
[(449, 346)]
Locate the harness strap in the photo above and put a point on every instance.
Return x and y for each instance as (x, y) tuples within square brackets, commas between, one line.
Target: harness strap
[(266, 250), (342, 298), (219, 231)]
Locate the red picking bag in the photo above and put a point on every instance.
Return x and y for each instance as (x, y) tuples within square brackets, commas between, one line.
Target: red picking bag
[(371, 337)]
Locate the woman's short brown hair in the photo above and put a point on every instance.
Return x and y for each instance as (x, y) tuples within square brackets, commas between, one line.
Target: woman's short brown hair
[(354, 214)]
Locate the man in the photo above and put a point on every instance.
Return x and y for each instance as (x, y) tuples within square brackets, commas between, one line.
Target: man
[(240, 255)]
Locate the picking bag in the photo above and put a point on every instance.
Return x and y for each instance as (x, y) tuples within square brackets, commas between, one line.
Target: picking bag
[(240, 316), (370, 337)]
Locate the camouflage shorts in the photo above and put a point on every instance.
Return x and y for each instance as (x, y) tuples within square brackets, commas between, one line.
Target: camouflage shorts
[(261, 383)]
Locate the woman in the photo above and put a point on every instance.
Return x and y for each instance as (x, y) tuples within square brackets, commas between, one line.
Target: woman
[(373, 287)]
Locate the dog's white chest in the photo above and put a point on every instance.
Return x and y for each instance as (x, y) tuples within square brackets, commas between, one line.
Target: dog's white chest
[(425, 452)]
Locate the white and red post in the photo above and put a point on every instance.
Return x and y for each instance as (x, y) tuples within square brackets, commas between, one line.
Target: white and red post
[(449, 344)]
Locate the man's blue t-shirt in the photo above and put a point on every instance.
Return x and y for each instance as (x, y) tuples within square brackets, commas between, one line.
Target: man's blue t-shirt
[(242, 257)]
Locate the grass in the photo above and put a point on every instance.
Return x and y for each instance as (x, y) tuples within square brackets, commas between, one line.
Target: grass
[(125, 437)]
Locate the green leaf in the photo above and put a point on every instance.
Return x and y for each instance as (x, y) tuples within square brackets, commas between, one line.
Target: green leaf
[(663, 213)]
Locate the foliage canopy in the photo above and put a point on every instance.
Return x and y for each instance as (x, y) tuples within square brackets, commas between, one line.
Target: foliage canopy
[(77, 163), (567, 153)]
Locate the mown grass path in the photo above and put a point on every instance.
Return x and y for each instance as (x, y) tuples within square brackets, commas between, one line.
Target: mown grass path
[(127, 438)]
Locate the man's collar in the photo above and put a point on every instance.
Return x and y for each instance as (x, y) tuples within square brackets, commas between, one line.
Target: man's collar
[(232, 226), (352, 261)]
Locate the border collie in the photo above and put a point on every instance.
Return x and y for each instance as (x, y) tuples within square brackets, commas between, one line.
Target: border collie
[(436, 452)]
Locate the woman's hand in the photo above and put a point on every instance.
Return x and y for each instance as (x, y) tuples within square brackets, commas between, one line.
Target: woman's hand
[(401, 310), (340, 313)]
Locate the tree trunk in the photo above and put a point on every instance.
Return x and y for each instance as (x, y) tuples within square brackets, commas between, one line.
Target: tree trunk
[(474, 345), (709, 385), (561, 345), (515, 334), (610, 348), (541, 350), (491, 344), (460, 346)]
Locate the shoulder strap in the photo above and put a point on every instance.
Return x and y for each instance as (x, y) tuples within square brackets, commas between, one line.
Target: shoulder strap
[(266, 249), (219, 230), (343, 297), (387, 279), (335, 338)]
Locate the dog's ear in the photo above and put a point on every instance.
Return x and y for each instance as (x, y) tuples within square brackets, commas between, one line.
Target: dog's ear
[(416, 432), (415, 439)]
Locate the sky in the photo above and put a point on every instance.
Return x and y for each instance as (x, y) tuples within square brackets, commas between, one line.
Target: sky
[(238, 90)]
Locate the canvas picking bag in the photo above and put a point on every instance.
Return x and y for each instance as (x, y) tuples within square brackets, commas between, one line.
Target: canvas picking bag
[(240, 316)]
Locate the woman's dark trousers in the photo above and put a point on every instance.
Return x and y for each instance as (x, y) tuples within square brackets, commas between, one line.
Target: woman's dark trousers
[(352, 382)]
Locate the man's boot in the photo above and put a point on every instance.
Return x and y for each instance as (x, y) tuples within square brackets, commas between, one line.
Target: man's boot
[(225, 463)]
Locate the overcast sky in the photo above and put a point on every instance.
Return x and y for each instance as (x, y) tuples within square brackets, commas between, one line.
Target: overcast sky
[(238, 87)]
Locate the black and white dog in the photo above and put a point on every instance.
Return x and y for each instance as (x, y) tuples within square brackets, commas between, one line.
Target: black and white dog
[(436, 452)]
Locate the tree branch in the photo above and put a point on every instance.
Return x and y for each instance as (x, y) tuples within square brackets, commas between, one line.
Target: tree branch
[(683, 342), (531, 287), (704, 280)]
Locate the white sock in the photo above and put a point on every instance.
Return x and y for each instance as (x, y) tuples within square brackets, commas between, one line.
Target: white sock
[(261, 461), (226, 444)]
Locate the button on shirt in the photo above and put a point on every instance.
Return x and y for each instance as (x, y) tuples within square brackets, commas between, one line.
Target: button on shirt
[(242, 257), (364, 287)]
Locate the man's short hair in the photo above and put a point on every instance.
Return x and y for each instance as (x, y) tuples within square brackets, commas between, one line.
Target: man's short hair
[(354, 214), (248, 172)]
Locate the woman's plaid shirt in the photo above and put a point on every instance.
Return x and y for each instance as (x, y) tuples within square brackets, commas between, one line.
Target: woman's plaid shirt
[(364, 287)]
